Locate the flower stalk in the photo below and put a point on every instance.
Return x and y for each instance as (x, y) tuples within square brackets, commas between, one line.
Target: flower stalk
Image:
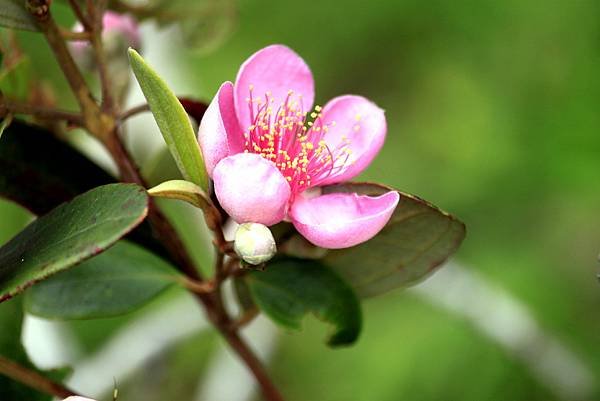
[(33, 379), (102, 121)]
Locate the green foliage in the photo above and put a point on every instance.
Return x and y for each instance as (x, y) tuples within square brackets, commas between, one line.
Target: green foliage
[(172, 120), (117, 281), (13, 14), (69, 234), (290, 288), (39, 172), (416, 240)]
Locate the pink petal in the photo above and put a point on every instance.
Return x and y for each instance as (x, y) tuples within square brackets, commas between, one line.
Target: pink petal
[(275, 69), (122, 24), (362, 123), (342, 220), (219, 133), (251, 189)]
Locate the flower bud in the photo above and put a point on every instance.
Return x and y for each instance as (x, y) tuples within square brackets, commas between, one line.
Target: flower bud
[(254, 243)]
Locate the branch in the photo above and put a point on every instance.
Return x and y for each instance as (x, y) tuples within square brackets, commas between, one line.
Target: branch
[(71, 35), (95, 12), (80, 15), (33, 379), (40, 9), (269, 390), (8, 106), (104, 127)]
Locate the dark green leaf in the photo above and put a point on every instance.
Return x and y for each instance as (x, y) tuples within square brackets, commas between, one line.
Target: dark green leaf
[(418, 238), (13, 14), (118, 281), (69, 234), (39, 172), (290, 288)]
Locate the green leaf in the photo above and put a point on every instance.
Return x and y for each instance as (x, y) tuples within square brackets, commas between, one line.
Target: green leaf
[(290, 288), (182, 190), (118, 281), (172, 120), (39, 172), (13, 14), (69, 234), (418, 238)]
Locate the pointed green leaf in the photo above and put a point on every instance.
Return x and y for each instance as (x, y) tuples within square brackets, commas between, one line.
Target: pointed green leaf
[(290, 288), (182, 190), (172, 120), (418, 238), (118, 281), (69, 234), (13, 14)]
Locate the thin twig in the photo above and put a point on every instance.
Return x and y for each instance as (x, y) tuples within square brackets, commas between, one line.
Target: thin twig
[(269, 391), (198, 287), (95, 11), (33, 379), (246, 318), (80, 15), (95, 121), (71, 35), (133, 111), (8, 106)]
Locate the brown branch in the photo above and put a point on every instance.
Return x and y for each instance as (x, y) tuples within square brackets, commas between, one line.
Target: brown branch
[(9, 106), (95, 11), (269, 391), (244, 319), (33, 379), (80, 15), (104, 127), (95, 121), (71, 35), (133, 111), (198, 287)]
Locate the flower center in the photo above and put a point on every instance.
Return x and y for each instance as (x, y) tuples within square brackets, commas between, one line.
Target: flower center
[(294, 140)]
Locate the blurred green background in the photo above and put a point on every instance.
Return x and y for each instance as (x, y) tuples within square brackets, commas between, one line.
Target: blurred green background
[(493, 113)]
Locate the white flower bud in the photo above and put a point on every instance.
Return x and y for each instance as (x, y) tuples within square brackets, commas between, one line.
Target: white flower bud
[(254, 243)]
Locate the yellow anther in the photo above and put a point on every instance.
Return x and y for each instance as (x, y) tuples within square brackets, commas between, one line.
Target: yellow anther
[(318, 108)]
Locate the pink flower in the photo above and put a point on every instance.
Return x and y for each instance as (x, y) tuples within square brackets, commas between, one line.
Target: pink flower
[(268, 153), (119, 31)]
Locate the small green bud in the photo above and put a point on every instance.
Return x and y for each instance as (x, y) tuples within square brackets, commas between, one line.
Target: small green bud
[(254, 243)]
